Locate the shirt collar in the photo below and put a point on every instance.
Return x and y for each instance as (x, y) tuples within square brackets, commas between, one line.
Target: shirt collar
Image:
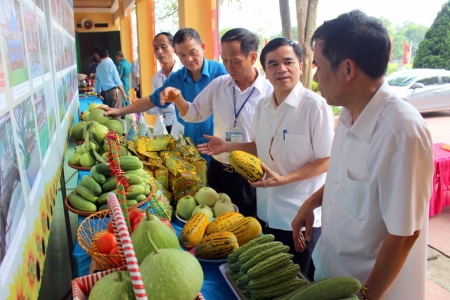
[(364, 126), (205, 70), (293, 99), (257, 84)]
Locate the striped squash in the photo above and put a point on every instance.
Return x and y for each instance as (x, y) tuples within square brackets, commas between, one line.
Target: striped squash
[(194, 230), (223, 221), (217, 245), (247, 165), (245, 230)]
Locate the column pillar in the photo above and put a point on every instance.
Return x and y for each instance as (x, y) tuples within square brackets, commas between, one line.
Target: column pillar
[(202, 15)]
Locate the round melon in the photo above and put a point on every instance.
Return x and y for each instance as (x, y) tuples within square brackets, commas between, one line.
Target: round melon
[(114, 286), (162, 236), (93, 105), (98, 114), (74, 159), (85, 116), (171, 274), (86, 160), (115, 125), (77, 131)]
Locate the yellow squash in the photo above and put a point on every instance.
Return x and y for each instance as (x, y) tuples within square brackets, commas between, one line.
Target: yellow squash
[(247, 165), (194, 230), (246, 230), (217, 245), (223, 221)]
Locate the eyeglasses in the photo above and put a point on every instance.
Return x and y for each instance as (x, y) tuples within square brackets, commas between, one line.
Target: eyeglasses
[(270, 147)]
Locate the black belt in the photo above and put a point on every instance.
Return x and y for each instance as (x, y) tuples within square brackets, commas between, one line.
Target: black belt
[(226, 167)]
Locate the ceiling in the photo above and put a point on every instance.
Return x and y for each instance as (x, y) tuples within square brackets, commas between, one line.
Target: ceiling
[(95, 6)]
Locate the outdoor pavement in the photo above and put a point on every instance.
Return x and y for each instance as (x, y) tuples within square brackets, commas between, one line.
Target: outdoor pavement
[(438, 271)]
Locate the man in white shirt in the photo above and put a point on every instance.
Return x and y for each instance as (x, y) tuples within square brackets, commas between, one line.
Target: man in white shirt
[(165, 54), (291, 132), (231, 99), (136, 77), (375, 199)]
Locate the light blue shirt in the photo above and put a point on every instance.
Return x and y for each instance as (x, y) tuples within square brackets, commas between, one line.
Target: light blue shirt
[(183, 81), (106, 76)]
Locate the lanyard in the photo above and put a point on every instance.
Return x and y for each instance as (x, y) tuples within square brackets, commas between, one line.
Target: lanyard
[(236, 114)]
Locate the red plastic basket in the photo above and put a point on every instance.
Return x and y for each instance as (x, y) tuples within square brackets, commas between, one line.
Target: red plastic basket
[(81, 287)]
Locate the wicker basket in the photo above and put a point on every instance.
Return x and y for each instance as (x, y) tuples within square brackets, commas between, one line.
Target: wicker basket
[(79, 167), (86, 213), (81, 287)]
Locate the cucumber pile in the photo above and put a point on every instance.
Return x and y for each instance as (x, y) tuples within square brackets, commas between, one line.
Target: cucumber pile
[(90, 194), (264, 269)]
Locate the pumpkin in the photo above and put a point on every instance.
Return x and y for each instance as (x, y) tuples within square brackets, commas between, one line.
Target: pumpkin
[(162, 236), (114, 286), (171, 274)]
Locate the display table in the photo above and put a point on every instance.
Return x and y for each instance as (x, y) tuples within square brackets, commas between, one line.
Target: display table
[(84, 102), (441, 180), (214, 285)]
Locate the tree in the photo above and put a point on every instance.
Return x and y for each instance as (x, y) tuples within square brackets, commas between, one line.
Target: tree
[(306, 24), (285, 19), (434, 50)]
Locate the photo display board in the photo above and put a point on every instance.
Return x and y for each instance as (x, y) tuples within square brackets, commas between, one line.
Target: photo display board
[(38, 102)]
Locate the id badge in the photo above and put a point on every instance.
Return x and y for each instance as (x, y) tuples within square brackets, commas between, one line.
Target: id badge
[(235, 135)]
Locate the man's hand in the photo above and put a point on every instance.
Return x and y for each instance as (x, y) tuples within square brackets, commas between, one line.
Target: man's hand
[(169, 94), (305, 219), (271, 179), (125, 97), (214, 147), (111, 112)]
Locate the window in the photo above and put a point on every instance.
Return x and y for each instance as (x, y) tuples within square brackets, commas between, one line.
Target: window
[(429, 81), (445, 78)]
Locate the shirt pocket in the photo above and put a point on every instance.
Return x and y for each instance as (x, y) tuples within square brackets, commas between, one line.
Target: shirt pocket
[(356, 198), (296, 149)]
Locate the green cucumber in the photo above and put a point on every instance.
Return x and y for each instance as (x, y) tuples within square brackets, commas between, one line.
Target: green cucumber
[(103, 198), (133, 179), (86, 193), (103, 207), (91, 184), (79, 203), (270, 265), (100, 178), (250, 253), (131, 202), (274, 278), (109, 185), (281, 289)]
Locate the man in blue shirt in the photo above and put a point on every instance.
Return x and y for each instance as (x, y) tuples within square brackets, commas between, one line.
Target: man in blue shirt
[(107, 80), (124, 69), (196, 74)]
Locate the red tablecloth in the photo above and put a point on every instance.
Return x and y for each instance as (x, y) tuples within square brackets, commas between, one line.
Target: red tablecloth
[(441, 180)]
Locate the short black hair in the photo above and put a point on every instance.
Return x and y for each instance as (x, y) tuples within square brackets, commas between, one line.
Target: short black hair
[(356, 36), (95, 50), (102, 52), (168, 35), (248, 41), (120, 54), (185, 34), (277, 43)]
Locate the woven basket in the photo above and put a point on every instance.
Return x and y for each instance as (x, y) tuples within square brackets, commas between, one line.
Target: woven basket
[(79, 167), (86, 214)]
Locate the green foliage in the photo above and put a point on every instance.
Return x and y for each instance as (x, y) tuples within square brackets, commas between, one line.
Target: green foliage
[(336, 110), (434, 50), (315, 87), (391, 68)]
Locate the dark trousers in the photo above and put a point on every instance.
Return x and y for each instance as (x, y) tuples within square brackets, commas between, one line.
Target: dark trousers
[(223, 179), (303, 259), (113, 98)]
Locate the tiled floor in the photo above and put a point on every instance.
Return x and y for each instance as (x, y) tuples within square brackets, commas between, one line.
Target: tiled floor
[(57, 271)]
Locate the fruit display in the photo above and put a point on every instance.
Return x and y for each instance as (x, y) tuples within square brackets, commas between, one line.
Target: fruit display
[(161, 235), (91, 193), (171, 274), (247, 165), (206, 200)]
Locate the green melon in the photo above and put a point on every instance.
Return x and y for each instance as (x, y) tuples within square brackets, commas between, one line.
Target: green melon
[(77, 131), (86, 160), (171, 274), (93, 105), (115, 125), (162, 235), (114, 286), (85, 116), (74, 159), (98, 114)]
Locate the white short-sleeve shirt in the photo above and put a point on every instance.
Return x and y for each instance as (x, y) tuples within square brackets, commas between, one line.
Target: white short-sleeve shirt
[(302, 131), (158, 80), (379, 182), (217, 98)]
